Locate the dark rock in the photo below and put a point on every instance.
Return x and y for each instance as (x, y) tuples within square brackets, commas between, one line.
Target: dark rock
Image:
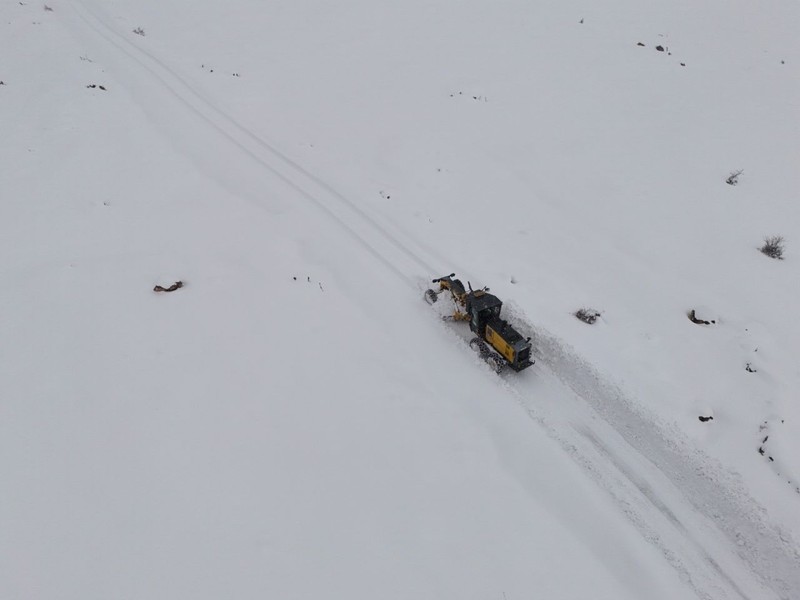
[(694, 319), (660, 48), (175, 286)]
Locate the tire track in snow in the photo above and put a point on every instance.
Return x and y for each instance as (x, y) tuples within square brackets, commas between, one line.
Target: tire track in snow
[(702, 567), (642, 506), (729, 518), (373, 236), (707, 532), (767, 559)]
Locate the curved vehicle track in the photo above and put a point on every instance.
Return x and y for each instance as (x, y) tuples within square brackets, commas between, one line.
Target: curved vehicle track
[(700, 518)]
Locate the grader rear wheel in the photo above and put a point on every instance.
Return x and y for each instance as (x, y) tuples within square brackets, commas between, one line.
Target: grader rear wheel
[(495, 362), (479, 346)]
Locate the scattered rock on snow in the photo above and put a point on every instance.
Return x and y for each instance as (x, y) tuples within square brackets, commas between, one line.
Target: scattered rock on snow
[(587, 315), (705, 419), (175, 286), (700, 317)]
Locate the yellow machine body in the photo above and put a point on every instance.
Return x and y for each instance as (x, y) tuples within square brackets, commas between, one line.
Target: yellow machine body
[(498, 343)]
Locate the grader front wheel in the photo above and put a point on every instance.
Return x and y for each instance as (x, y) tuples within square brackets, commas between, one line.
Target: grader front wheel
[(431, 297)]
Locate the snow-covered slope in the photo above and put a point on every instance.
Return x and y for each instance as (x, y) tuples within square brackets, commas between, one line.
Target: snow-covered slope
[(294, 422)]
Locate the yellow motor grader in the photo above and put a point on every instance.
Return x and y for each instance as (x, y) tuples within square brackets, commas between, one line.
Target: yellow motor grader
[(497, 342)]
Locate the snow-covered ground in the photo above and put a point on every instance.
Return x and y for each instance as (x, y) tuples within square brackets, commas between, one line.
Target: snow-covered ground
[(295, 422)]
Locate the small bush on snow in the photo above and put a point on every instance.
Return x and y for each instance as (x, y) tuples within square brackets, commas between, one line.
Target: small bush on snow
[(733, 178), (773, 246)]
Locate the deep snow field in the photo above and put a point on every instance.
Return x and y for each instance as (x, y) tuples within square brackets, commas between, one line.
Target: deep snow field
[(295, 422)]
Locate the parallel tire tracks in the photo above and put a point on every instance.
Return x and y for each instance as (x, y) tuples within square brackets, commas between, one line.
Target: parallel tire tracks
[(363, 228)]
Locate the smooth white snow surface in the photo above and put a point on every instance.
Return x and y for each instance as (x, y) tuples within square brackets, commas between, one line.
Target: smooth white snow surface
[(295, 422)]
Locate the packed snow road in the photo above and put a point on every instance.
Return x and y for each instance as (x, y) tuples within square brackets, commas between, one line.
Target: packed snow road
[(698, 516)]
